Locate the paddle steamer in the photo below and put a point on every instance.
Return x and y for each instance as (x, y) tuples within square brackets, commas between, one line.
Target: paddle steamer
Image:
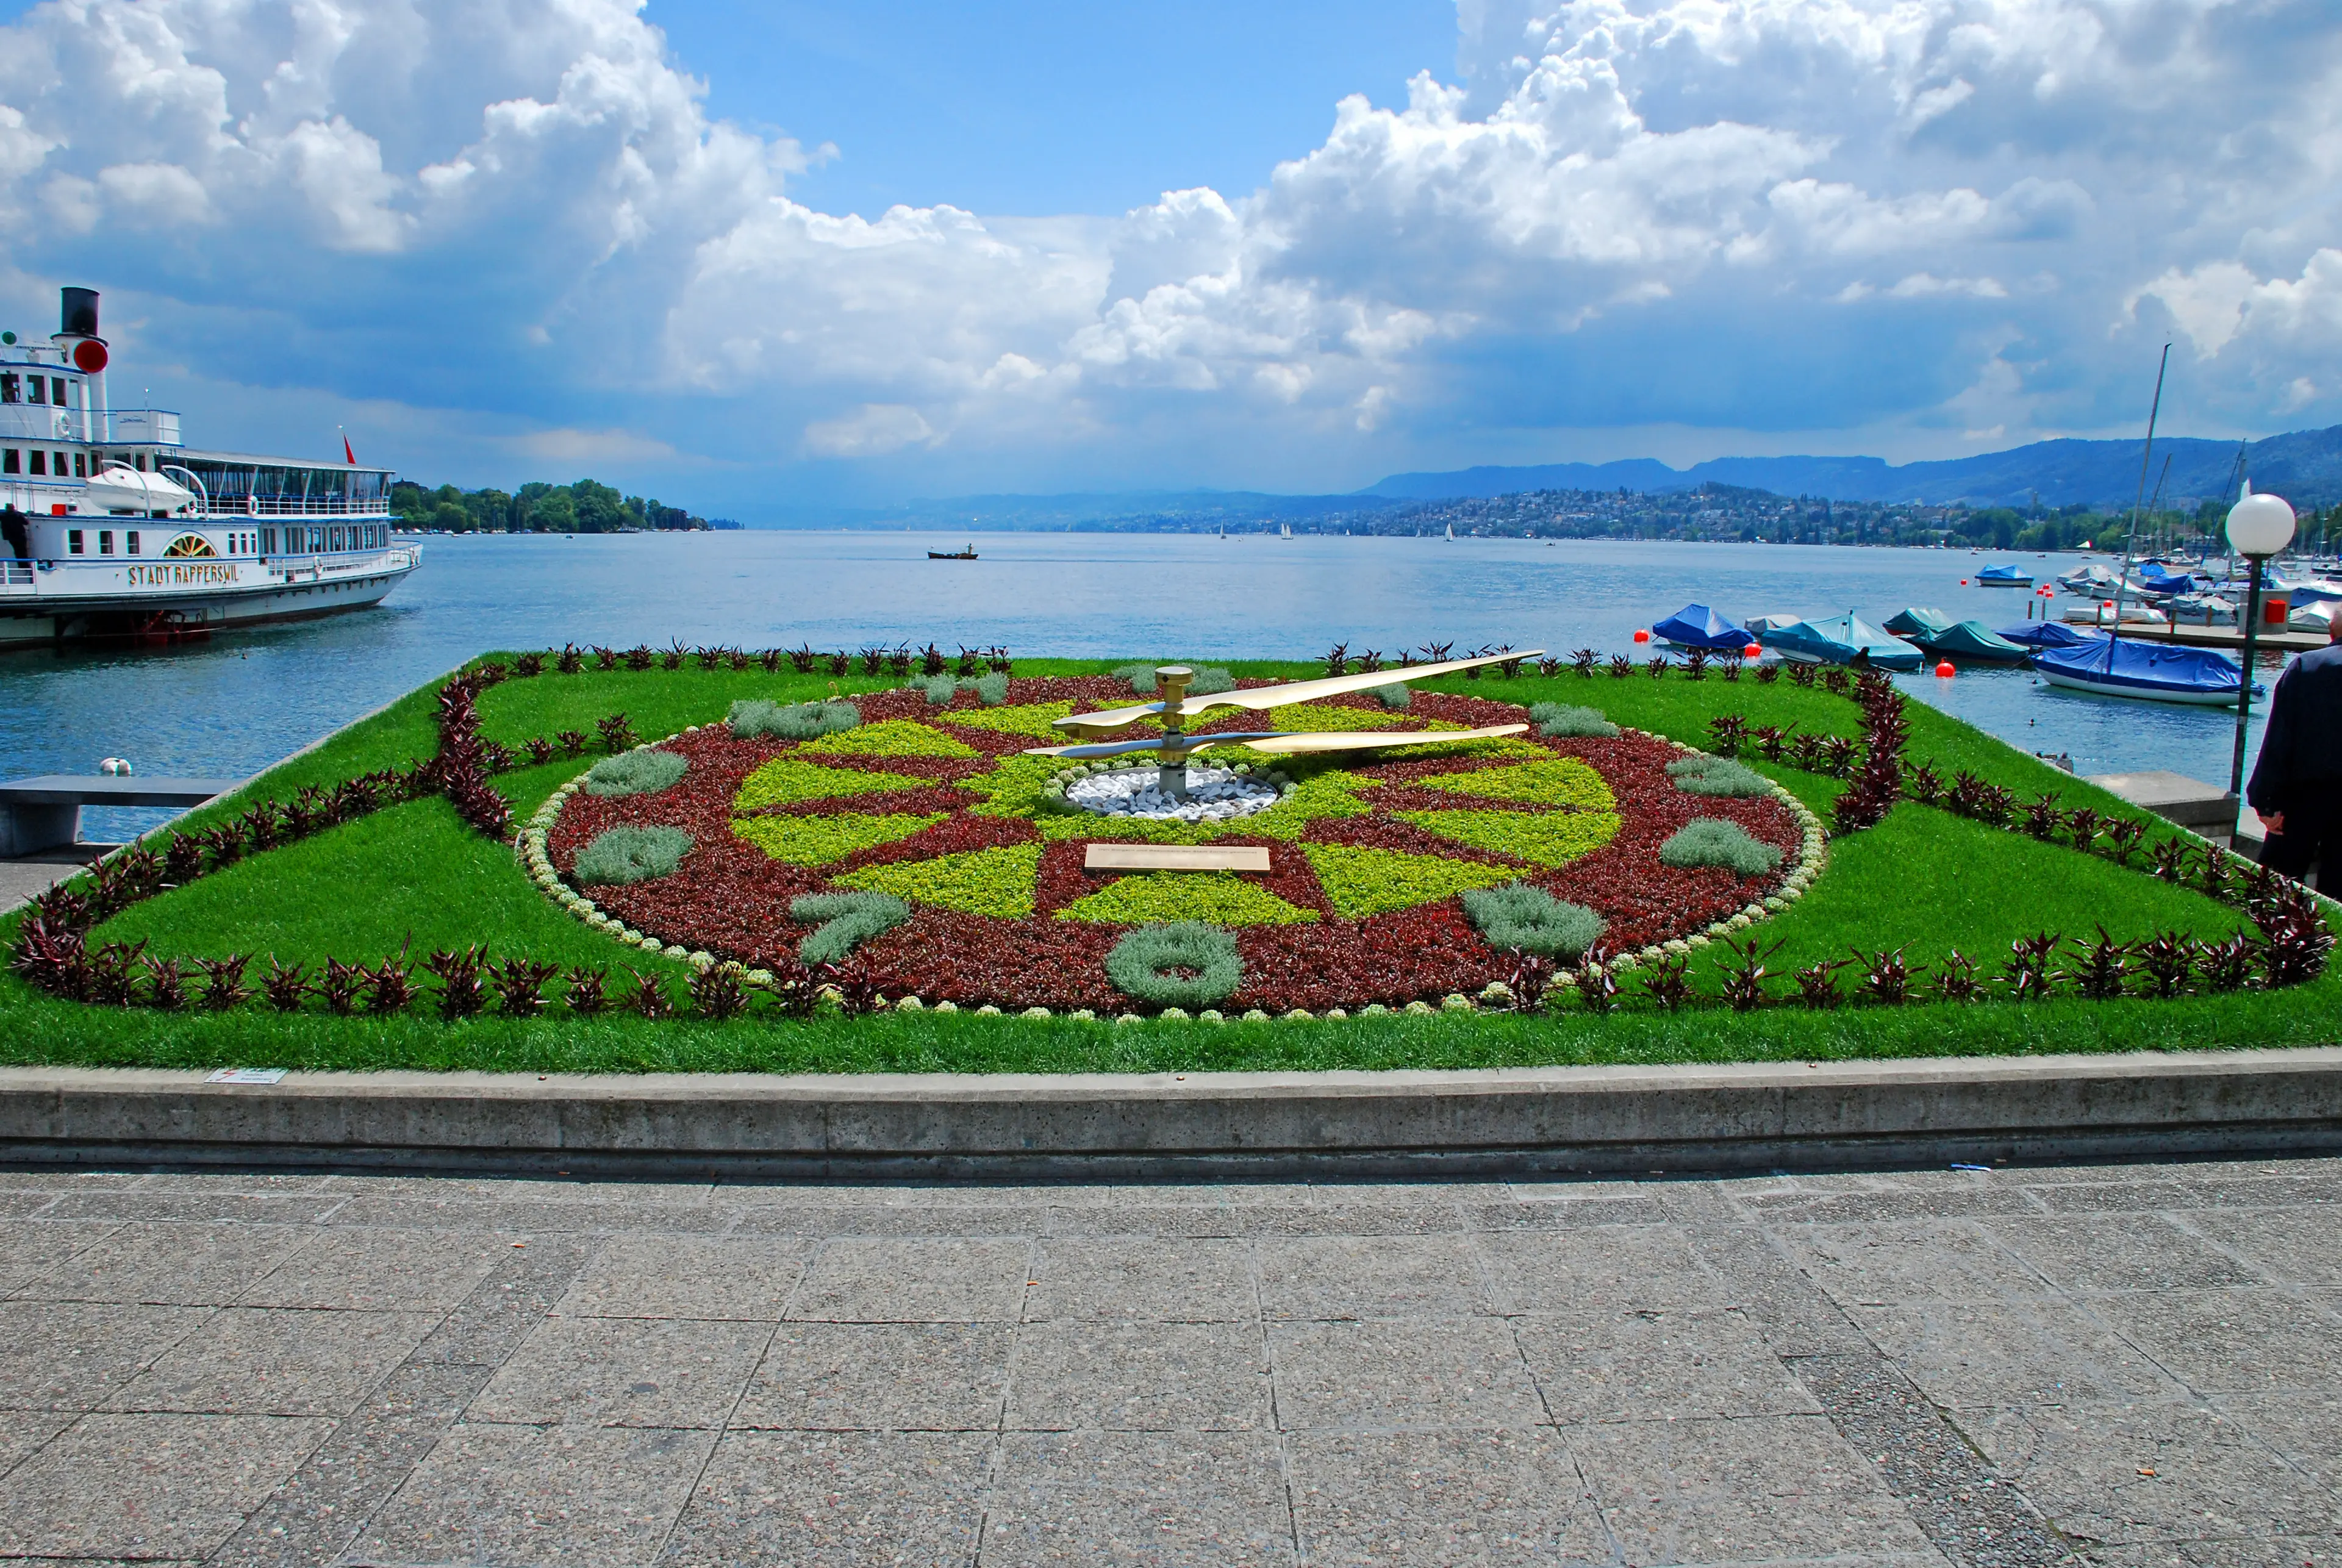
[(115, 529)]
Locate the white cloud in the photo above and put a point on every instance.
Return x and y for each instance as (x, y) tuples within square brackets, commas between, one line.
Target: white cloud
[(588, 446), (1626, 213), (872, 430)]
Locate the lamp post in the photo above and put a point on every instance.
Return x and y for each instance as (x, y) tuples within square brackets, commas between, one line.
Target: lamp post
[(2258, 527)]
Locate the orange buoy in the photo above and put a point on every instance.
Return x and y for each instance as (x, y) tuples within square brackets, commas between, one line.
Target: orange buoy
[(1752, 651), (1642, 637), (1964, 582), (1945, 669)]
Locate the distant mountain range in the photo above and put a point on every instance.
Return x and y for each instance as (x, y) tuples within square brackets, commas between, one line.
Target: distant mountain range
[(2306, 466)]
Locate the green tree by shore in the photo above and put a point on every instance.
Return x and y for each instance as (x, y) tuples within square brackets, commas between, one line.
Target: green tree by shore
[(581, 507)]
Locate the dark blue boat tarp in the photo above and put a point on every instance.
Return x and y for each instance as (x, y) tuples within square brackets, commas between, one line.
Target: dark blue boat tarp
[(2004, 574), (2046, 634), (1698, 627), (2182, 584), (1837, 640), (2144, 666)]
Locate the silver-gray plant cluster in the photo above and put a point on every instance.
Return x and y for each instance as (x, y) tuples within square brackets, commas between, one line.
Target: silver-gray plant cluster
[(1210, 679), (1532, 920), (844, 921), (623, 855), (1713, 775), (636, 772), (1564, 721), (1712, 841), (1186, 963), (1394, 697), (754, 716), (991, 690)]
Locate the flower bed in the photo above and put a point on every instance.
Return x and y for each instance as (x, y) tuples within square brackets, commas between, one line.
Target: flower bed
[(1368, 852)]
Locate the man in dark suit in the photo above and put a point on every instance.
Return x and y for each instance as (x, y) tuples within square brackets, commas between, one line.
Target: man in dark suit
[(2296, 784)]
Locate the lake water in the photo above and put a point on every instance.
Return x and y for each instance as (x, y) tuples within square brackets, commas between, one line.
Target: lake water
[(241, 701)]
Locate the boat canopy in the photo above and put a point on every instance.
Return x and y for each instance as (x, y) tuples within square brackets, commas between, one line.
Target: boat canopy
[(2124, 667), (1973, 640), (1917, 623), (1838, 640), (2180, 584), (2317, 590), (1759, 624), (1698, 627), (2046, 634), (2017, 577), (118, 487)]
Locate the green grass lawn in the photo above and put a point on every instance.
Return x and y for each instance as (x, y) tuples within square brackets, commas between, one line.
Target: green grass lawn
[(414, 876)]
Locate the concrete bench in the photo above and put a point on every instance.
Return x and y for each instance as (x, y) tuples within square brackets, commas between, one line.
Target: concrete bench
[(45, 812), (2207, 809)]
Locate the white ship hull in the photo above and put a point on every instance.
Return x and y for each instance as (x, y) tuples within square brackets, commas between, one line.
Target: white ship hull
[(168, 600)]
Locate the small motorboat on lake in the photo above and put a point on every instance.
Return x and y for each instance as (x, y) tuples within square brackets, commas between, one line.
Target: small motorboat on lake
[(2046, 634), (2104, 615), (1698, 627), (2318, 618), (2150, 672), (1840, 640), (1938, 635), (2091, 582), (2003, 577), (2201, 610), (1919, 623)]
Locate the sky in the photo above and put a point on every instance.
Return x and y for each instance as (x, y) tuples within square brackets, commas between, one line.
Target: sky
[(759, 258)]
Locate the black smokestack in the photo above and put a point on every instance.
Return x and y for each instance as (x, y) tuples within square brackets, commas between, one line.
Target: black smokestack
[(80, 311)]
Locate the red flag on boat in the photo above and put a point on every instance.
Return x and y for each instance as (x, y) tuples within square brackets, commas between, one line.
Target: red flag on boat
[(351, 456)]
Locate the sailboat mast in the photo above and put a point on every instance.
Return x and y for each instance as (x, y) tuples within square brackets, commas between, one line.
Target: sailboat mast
[(2130, 538)]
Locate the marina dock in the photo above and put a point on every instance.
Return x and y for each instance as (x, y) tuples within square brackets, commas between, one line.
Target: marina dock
[(2228, 639)]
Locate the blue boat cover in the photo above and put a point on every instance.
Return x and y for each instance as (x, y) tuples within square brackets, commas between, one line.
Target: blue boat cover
[(1836, 641), (2131, 665), (2046, 634), (2182, 584), (2004, 574), (1698, 627)]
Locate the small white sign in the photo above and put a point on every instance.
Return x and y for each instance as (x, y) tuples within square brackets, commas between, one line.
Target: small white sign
[(247, 1076)]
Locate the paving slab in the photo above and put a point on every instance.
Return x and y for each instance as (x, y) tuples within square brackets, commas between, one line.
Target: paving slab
[(167, 1487), (1690, 1370), (837, 1500), (1493, 1498), (1140, 1377), (888, 1376), (521, 1496)]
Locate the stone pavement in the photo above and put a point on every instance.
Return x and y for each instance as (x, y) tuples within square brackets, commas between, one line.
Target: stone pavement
[(2114, 1364)]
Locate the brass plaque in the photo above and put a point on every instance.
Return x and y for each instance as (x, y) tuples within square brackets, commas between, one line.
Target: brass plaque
[(1176, 857)]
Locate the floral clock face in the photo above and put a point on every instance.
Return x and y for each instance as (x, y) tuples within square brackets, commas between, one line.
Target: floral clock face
[(1369, 853)]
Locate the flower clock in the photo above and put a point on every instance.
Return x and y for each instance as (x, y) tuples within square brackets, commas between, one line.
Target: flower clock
[(914, 835)]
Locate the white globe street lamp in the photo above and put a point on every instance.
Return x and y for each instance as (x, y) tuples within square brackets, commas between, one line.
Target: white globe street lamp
[(2258, 527)]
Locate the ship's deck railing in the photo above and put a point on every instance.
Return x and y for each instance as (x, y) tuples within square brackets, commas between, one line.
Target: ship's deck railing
[(229, 507), (15, 574)]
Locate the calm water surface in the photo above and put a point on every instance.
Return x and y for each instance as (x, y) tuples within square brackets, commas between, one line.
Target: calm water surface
[(241, 701)]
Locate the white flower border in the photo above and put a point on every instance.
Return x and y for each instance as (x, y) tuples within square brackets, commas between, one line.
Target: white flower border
[(1813, 856)]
